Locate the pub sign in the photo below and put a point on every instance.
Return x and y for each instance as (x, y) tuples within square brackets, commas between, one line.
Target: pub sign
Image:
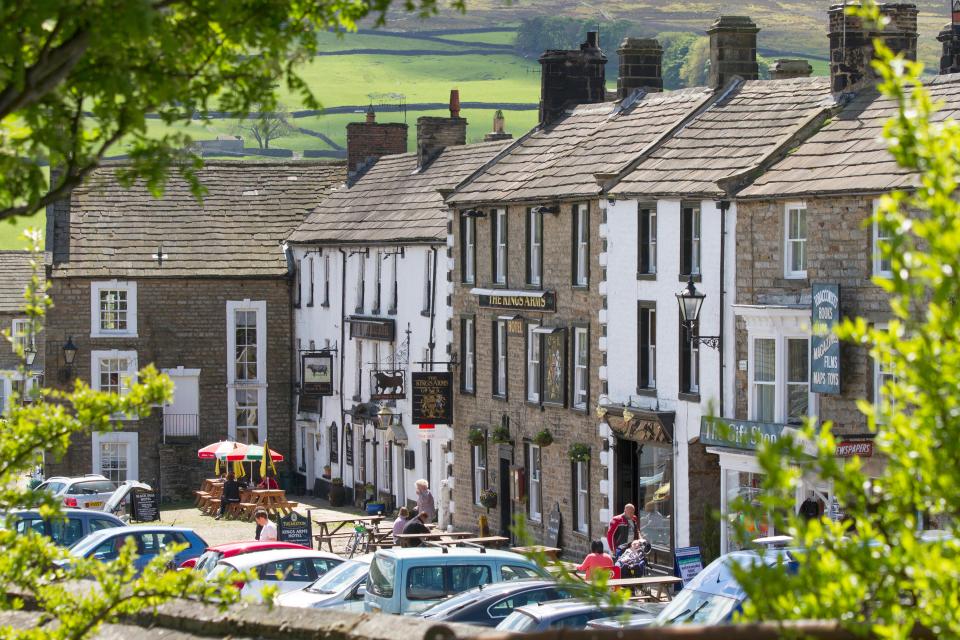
[(316, 373), (383, 329), (432, 397), (824, 343), (517, 300)]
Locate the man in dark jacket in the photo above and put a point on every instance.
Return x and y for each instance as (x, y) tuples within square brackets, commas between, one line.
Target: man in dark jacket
[(623, 530), (231, 493), (417, 524)]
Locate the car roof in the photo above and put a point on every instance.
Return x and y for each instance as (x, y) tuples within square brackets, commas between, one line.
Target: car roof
[(252, 545), (565, 607), (250, 560), (451, 553), (149, 529), (89, 513), (509, 586)]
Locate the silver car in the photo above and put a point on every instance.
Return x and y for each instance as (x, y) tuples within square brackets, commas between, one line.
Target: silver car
[(342, 587), (86, 492)]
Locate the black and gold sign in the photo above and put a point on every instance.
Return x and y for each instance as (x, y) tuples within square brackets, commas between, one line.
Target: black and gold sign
[(539, 301), (432, 397)]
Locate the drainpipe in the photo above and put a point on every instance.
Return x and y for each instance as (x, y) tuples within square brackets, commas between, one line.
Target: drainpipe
[(433, 308), (724, 206), (343, 349)]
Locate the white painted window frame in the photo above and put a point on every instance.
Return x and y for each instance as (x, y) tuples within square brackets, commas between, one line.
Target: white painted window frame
[(21, 334), (130, 287), (500, 247), (582, 484), (469, 355), (130, 438), (96, 357), (501, 377), (878, 266), (582, 236), (470, 249), (536, 480), (479, 471), (790, 244), (781, 371), (360, 290), (581, 376), (535, 248), (260, 384), (533, 364)]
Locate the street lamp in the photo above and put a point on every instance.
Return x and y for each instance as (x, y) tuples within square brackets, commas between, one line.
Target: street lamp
[(30, 353), (385, 416), (69, 352), (690, 301)]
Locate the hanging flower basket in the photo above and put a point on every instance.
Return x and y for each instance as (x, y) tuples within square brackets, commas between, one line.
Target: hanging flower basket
[(501, 435), (488, 499), (579, 452), (543, 438), (476, 437)]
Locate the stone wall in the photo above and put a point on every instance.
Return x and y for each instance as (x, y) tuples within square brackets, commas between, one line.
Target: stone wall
[(181, 322), (575, 306)]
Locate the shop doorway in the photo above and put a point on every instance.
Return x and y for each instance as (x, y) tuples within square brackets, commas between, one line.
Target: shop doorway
[(644, 478)]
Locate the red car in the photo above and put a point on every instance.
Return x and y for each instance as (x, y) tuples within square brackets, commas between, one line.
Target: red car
[(213, 555)]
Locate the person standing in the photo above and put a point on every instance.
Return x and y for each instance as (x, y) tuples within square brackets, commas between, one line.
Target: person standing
[(417, 524), (231, 493), (623, 530), (425, 502), (267, 530)]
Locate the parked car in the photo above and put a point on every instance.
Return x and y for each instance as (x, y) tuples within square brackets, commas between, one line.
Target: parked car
[(407, 581), (488, 605), (209, 559), (85, 492), (285, 569), (105, 545), (562, 614), (632, 621), (343, 588), (73, 526)]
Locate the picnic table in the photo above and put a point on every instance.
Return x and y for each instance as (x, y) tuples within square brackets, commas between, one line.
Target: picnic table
[(273, 501), (486, 541), (553, 553), (208, 497), (657, 586), (436, 536), (326, 535)]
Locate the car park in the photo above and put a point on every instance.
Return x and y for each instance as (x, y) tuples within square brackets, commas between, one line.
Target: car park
[(283, 569), (71, 527), (211, 556), (407, 581), (562, 614), (150, 541), (343, 588), (488, 605), (85, 492)]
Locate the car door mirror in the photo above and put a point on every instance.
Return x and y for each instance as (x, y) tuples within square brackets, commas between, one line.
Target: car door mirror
[(360, 592)]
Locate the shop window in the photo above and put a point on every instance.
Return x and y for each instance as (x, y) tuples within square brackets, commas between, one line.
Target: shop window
[(764, 379), (747, 487), (655, 471)]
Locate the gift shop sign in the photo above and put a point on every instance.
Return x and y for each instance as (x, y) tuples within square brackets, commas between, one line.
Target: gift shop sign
[(825, 346)]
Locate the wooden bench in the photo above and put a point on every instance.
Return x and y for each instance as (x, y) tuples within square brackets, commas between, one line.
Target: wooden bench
[(201, 496), (212, 506)]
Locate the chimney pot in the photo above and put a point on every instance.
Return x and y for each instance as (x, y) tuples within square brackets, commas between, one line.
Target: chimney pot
[(950, 60), (641, 66), (454, 103), (498, 133), (733, 50), (786, 69), (371, 115)]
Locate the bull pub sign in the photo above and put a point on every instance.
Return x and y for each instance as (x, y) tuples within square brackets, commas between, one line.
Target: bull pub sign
[(824, 343), (518, 301), (432, 397)]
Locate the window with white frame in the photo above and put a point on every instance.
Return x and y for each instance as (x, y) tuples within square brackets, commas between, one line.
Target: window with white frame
[(883, 373), (428, 282), (468, 340), (310, 274), (534, 471), (113, 309), (326, 280), (533, 363), (4, 395), (499, 237), (690, 239), (581, 356), (581, 496), (115, 455), (798, 379), (647, 222), (479, 453), (647, 327), (534, 248), (113, 372), (247, 372), (298, 288), (795, 241), (764, 379), (881, 266), (361, 274), (377, 280), (468, 235), (581, 245), (500, 359), (22, 333)]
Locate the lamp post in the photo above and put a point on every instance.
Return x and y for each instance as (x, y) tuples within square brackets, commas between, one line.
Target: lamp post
[(690, 301), (30, 353)]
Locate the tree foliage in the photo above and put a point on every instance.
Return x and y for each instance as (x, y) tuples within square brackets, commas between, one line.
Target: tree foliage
[(78, 78), (874, 570)]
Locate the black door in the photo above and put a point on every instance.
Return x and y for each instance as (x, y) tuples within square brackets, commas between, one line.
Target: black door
[(505, 515), (628, 462)]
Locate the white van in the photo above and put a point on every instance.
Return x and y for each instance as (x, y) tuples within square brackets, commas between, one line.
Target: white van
[(406, 581)]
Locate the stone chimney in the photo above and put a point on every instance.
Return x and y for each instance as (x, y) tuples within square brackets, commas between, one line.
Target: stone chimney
[(787, 69), (733, 50), (370, 140), (851, 43), (641, 62), (571, 77), (435, 134), (498, 133), (950, 37)]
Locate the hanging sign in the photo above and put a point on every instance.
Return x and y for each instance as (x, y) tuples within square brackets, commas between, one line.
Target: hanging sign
[(432, 397), (316, 374), (372, 329), (825, 345), (688, 563), (388, 384)]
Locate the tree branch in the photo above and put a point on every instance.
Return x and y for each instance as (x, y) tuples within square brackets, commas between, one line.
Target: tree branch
[(49, 71)]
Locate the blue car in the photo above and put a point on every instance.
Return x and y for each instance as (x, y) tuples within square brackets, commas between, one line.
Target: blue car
[(75, 524), (105, 545)]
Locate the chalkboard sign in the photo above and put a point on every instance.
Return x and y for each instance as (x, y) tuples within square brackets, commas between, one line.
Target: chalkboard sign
[(296, 529), (688, 563), (143, 505), (554, 522)]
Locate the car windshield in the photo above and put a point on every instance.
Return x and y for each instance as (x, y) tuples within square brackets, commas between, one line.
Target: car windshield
[(339, 578), (207, 561), (220, 570), (84, 545), (696, 607), (380, 581), (518, 621)]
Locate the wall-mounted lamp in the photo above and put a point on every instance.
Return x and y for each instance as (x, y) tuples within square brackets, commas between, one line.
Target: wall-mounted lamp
[(611, 200), (30, 352), (691, 301), (474, 213), (69, 355), (554, 209)]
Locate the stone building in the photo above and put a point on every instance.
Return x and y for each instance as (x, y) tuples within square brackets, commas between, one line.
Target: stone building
[(371, 302), (528, 284), (17, 379), (201, 290)]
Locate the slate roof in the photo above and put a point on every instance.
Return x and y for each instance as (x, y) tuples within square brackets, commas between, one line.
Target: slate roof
[(733, 136), (15, 275), (848, 155), (248, 210), (562, 159), (393, 202)]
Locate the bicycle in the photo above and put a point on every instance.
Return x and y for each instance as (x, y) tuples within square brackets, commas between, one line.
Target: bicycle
[(357, 541)]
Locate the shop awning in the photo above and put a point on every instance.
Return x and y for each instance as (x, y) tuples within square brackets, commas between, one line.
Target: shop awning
[(642, 426)]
